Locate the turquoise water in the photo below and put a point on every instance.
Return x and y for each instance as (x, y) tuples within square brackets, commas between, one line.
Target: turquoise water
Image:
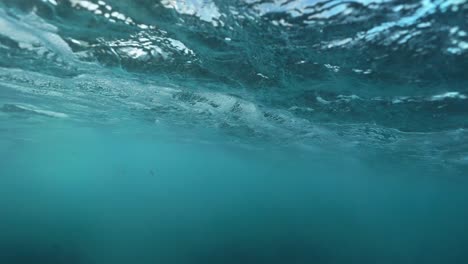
[(122, 194), (190, 131)]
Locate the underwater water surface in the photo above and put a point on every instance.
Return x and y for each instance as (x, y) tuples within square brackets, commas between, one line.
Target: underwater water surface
[(244, 131)]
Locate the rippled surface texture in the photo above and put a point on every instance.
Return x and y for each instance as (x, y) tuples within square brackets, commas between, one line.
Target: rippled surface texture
[(243, 131)]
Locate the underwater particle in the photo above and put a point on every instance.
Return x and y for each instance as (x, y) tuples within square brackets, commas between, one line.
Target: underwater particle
[(263, 76)]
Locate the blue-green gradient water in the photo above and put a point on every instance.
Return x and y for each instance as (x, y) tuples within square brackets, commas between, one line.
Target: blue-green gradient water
[(237, 132)]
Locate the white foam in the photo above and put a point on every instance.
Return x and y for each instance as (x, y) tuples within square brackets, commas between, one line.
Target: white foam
[(37, 110), (448, 95), (53, 2), (33, 33), (205, 10), (84, 4)]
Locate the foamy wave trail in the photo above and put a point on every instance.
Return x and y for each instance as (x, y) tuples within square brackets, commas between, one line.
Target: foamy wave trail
[(371, 88), (289, 71)]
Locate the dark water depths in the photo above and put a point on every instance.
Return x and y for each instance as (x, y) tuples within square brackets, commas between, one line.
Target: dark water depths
[(190, 131)]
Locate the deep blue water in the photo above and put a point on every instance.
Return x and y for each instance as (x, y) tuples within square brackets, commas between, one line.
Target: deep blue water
[(243, 131)]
